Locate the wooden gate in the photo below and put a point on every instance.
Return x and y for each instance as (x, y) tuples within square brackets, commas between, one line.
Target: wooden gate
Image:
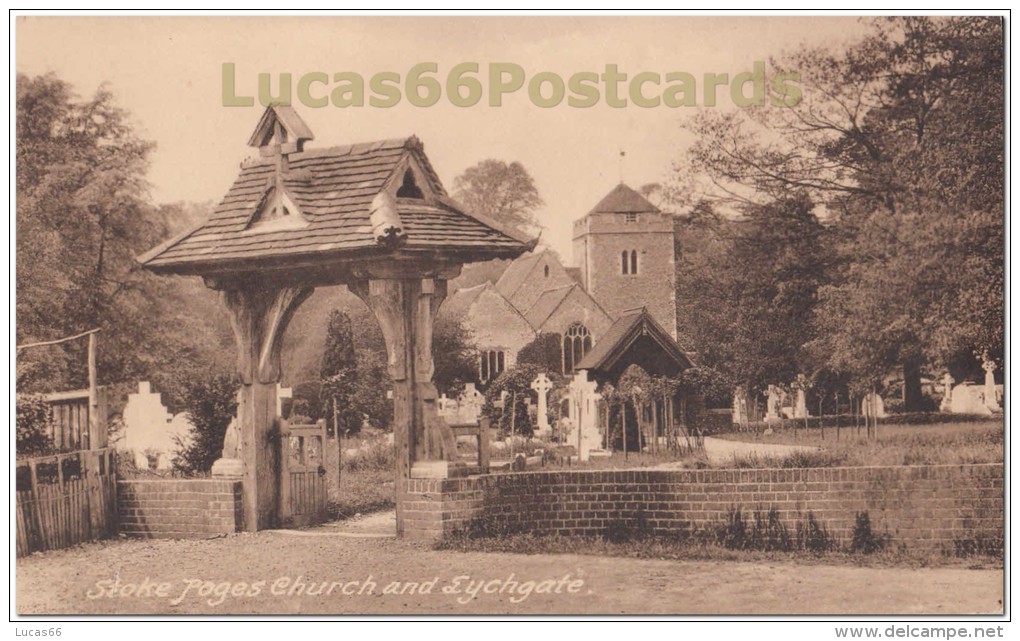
[(303, 492)]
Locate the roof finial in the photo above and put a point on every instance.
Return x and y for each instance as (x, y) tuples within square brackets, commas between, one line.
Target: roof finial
[(623, 154), (280, 131)]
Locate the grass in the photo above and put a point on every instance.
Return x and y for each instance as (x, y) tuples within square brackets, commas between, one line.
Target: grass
[(935, 444), (750, 537), (366, 482), (700, 550)]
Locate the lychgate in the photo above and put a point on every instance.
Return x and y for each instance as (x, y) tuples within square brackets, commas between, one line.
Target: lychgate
[(372, 216)]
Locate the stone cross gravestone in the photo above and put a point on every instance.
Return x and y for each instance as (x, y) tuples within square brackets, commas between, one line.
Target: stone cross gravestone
[(991, 402), (542, 385)]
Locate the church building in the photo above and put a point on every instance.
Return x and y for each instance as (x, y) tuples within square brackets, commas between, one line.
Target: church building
[(620, 288)]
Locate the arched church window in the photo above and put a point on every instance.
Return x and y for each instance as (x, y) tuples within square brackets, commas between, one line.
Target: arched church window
[(547, 271), (624, 263), (633, 261), (576, 344)]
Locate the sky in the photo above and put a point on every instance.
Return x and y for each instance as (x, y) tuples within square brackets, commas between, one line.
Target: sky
[(167, 72)]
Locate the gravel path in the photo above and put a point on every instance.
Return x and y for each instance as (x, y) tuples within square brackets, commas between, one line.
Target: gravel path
[(284, 573), (722, 451)]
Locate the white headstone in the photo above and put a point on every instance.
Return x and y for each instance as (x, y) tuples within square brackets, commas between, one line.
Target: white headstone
[(146, 422), (990, 401), (800, 410), (739, 407), (584, 408), (969, 398), (947, 393), (542, 385), (873, 405), (469, 405), (282, 393), (772, 405)]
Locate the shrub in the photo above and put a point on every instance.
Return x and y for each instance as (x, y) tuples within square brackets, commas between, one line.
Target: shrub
[(766, 534), (211, 403), (864, 539), (32, 425), (814, 536), (377, 455)]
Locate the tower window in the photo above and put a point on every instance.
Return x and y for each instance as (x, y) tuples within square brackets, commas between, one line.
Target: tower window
[(546, 271), (628, 262), (492, 363), (630, 217), (576, 344)]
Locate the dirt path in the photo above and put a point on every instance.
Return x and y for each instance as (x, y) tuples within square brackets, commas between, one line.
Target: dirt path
[(284, 573)]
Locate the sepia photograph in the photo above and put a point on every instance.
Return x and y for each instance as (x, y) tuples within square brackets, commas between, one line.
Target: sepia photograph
[(511, 315)]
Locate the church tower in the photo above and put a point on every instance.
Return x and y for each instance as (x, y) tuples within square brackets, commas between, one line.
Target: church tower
[(624, 250)]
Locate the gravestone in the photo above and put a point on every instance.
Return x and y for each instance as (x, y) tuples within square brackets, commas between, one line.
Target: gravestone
[(990, 401), (800, 409), (470, 403), (282, 393), (584, 409), (969, 398), (542, 385), (229, 464), (947, 393), (772, 405), (150, 429), (739, 407), (873, 405), (447, 408)]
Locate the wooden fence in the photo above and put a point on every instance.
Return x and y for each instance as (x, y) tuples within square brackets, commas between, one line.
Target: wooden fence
[(69, 419), (65, 499)]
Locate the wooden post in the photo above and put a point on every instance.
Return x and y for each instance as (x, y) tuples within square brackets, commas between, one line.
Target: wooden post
[(405, 309), (94, 422), (623, 418), (260, 314)]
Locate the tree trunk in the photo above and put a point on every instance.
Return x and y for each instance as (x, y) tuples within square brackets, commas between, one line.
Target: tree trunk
[(912, 397)]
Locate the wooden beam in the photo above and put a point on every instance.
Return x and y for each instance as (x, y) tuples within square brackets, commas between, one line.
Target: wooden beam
[(259, 315)]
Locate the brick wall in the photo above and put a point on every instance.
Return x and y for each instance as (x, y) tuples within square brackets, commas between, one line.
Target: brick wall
[(179, 508), (920, 506)]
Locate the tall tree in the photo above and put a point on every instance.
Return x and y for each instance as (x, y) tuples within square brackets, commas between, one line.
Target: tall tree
[(339, 376), (83, 213), (500, 190), (746, 290), (898, 141)]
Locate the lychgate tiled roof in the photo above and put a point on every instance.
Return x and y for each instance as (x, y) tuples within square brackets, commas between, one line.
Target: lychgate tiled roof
[(333, 190)]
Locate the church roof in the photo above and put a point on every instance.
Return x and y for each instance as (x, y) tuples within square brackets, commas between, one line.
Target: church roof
[(336, 190), (608, 354), (622, 199), (546, 304), (458, 303), (516, 274)]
